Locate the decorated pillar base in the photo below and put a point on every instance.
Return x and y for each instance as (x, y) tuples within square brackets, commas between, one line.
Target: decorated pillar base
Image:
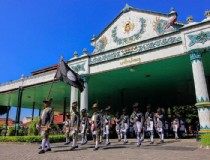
[(204, 116)]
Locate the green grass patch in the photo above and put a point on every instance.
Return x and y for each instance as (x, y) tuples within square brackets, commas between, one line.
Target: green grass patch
[(31, 139), (205, 139)]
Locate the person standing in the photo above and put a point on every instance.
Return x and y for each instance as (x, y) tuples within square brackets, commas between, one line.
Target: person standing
[(96, 125), (45, 123), (182, 127), (124, 125), (159, 123), (84, 126), (117, 120), (107, 124), (149, 123), (101, 114), (137, 119), (166, 128), (74, 125), (66, 128), (175, 126)]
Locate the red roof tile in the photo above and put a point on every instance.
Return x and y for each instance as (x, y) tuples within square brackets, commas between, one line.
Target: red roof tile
[(58, 119)]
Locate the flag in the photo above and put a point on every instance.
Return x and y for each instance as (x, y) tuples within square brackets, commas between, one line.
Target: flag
[(67, 75)]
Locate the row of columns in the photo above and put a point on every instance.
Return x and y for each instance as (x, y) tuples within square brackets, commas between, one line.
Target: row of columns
[(201, 91)]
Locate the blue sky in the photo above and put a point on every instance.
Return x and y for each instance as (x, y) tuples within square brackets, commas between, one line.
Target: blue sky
[(34, 33)]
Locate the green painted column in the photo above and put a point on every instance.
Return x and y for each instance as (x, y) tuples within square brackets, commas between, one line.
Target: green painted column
[(33, 111), (17, 120)]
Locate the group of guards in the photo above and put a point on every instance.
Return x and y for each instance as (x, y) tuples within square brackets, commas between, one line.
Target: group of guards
[(99, 126), (100, 123)]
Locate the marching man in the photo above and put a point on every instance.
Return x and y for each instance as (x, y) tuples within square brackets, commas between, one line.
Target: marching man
[(124, 125), (74, 125), (117, 120), (84, 126), (45, 123), (159, 123), (101, 114), (66, 128), (137, 119), (175, 126), (106, 124), (96, 125), (149, 123)]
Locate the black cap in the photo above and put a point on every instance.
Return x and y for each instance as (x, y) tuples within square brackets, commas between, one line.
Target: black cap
[(47, 100), (124, 110), (84, 110), (117, 114), (95, 105), (136, 105), (148, 107), (74, 104), (107, 108)]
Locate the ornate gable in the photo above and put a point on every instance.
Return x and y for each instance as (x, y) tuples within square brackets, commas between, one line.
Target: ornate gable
[(131, 26)]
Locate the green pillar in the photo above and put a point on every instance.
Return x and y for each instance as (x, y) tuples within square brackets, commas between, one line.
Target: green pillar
[(33, 111), (17, 120)]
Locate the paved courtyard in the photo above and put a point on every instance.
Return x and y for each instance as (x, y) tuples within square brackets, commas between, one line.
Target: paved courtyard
[(187, 149)]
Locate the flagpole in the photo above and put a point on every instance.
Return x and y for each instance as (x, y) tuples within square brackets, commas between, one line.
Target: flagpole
[(61, 58)]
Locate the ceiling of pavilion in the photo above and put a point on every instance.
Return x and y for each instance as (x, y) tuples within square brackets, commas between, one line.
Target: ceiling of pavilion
[(166, 82), (36, 94)]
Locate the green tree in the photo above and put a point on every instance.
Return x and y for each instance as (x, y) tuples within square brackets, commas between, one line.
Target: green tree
[(32, 129), (11, 131), (188, 112), (55, 129), (1, 128)]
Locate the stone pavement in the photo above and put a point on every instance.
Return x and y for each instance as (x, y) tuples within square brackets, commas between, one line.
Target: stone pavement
[(186, 149)]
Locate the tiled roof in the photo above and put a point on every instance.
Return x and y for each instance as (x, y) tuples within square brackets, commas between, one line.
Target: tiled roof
[(58, 119), (4, 119), (46, 69), (25, 124), (10, 121)]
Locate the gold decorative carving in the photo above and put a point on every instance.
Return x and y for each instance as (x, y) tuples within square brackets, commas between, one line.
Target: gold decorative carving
[(128, 27)]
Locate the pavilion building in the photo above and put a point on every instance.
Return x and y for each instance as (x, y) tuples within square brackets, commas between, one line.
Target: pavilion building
[(141, 56)]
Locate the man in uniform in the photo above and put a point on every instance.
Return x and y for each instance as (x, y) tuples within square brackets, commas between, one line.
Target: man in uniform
[(149, 123), (175, 126), (66, 128), (74, 125), (96, 125), (137, 119), (182, 126), (106, 124), (45, 123), (84, 126), (159, 123), (124, 125), (102, 127), (117, 120)]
